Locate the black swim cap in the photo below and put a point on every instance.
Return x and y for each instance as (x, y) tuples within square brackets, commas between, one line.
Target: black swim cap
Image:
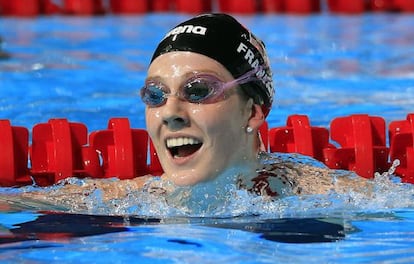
[(224, 39)]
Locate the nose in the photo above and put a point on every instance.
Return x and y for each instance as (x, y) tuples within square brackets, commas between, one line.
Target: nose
[(174, 114)]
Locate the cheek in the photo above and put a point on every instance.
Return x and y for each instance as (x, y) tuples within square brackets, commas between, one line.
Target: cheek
[(219, 119), (210, 117), (153, 120)]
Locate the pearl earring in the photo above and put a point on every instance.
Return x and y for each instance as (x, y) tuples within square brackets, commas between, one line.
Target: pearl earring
[(249, 130)]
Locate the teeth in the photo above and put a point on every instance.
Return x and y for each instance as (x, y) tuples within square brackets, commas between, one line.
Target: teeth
[(181, 141)]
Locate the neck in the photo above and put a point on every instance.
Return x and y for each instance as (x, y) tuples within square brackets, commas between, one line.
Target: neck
[(211, 197)]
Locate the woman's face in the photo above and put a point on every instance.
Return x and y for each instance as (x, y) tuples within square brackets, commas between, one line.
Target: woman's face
[(195, 142)]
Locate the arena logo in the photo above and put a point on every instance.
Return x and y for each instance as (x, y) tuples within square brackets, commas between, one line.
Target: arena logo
[(199, 30)]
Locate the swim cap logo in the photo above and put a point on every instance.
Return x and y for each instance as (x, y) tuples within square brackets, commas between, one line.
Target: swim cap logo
[(248, 55), (254, 62), (199, 30)]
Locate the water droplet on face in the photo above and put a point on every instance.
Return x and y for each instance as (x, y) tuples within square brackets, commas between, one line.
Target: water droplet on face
[(196, 111), (157, 114)]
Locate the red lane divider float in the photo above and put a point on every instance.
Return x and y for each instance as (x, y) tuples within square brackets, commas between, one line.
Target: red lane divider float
[(193, 6), (59, 151), (20, 8), (298, 136), (13, 154), (362, 140), (401, 134), (83, 7), (99, 7), (361, 6), (129, 6), (124, 150), (62, 149)]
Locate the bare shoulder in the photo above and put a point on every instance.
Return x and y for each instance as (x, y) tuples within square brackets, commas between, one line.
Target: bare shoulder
[(317, 180), (308, 176)]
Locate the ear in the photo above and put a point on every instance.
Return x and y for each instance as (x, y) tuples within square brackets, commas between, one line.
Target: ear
[(257, 117)]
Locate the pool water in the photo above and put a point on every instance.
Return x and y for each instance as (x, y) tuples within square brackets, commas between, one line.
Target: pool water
[(90, 69)]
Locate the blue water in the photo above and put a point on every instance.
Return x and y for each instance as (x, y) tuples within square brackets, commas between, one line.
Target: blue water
[(90, 69)]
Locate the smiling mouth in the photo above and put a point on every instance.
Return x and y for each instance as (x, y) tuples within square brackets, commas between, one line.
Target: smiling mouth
[(183, 146)]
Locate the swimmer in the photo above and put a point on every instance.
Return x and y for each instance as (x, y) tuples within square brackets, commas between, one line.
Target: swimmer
[(208, 90)]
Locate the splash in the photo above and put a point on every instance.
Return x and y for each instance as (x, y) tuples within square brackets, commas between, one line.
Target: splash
[(386, 192)]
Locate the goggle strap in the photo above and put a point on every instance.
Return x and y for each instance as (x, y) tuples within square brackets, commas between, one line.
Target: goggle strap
[(248, 76)]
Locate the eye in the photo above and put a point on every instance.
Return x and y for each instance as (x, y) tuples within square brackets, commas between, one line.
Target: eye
[(199, 89), (152, 94)]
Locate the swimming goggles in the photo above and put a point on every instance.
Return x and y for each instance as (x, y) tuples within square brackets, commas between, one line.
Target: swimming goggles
[(202, 88)]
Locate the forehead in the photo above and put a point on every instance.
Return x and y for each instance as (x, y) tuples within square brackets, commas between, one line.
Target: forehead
[(180, 63)]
